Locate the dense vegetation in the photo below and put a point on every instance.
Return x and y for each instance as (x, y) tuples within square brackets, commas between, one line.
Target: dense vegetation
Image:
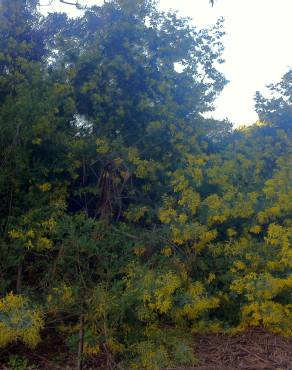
[(128, 221)]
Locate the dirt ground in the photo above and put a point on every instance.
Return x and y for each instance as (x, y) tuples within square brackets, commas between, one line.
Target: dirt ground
[(253, 350)]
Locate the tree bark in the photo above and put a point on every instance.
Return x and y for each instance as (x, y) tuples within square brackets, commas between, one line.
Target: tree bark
[(19, 278), (80, 344)]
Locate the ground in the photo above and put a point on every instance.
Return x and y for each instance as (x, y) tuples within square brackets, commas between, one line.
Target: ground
[(254, 350)]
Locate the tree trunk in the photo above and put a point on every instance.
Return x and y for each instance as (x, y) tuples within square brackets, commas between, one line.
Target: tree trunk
[(80, 344), (19, 278)]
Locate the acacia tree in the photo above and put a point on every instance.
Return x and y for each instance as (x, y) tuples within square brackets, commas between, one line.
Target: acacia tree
[(129, 220), (136, 102), (35, 126), (122, 107), (138, 117)]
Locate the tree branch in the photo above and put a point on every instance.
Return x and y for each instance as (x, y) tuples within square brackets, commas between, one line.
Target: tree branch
[(76, 3)]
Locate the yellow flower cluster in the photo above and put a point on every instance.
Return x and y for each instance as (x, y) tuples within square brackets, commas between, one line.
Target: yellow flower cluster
[(18, 321), (198, 302), (161, 299)]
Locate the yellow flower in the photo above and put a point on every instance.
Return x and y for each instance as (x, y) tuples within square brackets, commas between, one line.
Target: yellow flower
[(18, 321), (102, 147), (167, 251), (45, 187), (256, 229)]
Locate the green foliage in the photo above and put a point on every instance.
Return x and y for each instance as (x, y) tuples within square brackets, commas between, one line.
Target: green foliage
[(128, 221), (19, 363), (278, 108)]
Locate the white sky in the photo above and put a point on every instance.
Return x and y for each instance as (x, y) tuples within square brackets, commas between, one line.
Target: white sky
[(257, 46)]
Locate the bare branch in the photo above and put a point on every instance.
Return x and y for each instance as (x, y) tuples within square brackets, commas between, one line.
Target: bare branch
[(76, 3), (67, 2)]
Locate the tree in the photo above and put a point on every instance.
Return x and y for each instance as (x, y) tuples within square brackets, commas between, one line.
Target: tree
[(277, 109), (137, 95), (35, 113), (128, 220)]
